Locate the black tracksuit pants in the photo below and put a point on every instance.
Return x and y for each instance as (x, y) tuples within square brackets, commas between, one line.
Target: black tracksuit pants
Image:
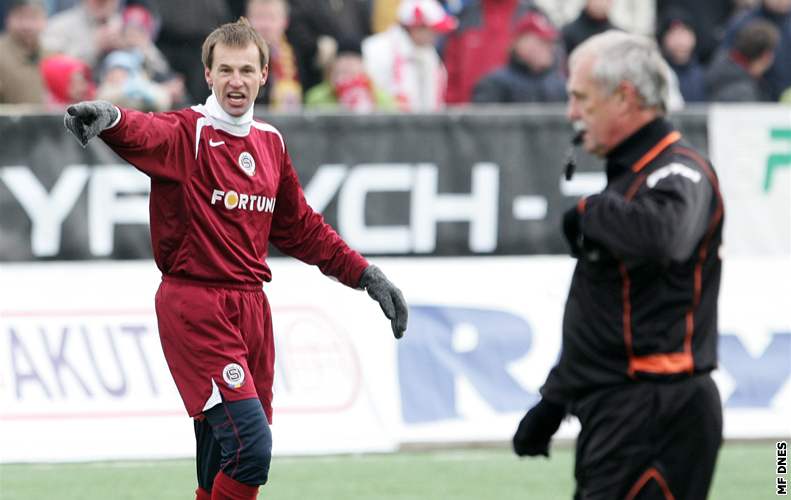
[(649, 440)]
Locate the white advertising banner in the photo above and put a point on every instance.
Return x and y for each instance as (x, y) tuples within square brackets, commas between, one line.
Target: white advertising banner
[(484, 333), (82, 375), (750, 146)]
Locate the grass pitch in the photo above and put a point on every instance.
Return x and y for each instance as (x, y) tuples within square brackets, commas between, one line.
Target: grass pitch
[(744, 471)]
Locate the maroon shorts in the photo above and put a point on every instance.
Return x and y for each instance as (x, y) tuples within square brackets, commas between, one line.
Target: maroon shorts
[(217, 341)]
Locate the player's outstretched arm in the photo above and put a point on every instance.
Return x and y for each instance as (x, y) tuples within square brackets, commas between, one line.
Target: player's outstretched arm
[(389, 297), (85, 120)]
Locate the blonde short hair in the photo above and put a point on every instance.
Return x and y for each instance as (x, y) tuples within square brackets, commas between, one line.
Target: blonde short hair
[(238, 34)]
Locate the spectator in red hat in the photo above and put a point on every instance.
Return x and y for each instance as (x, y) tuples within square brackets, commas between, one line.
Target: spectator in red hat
[(533, 73), (480, 44), (403, 59), (67, 80)]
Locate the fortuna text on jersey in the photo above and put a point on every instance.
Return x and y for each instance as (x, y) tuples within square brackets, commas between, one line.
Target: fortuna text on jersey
[(232, 199)]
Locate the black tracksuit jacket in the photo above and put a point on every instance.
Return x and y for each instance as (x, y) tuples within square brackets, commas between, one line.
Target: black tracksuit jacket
[(643, 297)]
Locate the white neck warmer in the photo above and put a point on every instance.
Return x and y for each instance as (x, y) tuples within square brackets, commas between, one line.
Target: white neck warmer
[(234, 125)]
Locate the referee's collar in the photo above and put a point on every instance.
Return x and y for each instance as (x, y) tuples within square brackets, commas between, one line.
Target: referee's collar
[(628, 152)]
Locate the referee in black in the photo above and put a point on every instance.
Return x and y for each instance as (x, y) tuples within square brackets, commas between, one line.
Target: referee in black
[(640, 323)]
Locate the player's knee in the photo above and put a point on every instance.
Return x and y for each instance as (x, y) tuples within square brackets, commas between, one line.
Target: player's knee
[(255, 459), (243, 432)]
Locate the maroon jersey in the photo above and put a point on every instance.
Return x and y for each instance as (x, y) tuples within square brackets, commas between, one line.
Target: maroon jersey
[(222, 188)]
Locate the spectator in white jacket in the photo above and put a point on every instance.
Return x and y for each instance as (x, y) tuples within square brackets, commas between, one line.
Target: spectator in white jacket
[(403, 59)]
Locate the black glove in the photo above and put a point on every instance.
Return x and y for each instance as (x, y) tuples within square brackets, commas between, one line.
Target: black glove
[(88, 118), (537, 427), (572, 232), (389, 297)]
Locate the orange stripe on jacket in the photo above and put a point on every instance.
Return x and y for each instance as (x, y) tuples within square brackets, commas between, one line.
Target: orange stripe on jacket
[(652, 153), (627, 314), (666, 364)]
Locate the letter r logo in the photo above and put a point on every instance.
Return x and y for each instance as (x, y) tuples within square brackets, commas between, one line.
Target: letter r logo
[(476, 344)]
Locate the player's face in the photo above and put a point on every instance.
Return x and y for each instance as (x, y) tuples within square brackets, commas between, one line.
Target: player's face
[(235, 76), (597, 111)]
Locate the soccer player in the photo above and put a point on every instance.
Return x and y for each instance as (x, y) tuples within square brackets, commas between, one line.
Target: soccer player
[(640, 324), (222, 188)]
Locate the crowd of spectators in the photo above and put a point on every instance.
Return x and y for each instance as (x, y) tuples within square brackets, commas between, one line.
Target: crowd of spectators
[(393, 55)]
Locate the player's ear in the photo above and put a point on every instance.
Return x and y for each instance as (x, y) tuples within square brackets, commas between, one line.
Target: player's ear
[(207, 76), (264, 74)]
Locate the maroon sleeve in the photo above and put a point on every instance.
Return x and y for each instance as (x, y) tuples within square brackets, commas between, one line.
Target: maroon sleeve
[(156, 143), (300, 232)]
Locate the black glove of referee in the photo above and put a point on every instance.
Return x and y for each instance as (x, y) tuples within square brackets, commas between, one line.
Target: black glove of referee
[(389, 297), (537, 427), (88, 118), (572, 232)]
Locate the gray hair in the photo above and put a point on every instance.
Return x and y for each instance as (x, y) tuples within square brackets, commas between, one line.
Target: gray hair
[(621, 56)]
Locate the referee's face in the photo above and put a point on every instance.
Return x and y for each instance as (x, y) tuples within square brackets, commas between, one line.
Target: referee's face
[(235, 77), (591, 109)]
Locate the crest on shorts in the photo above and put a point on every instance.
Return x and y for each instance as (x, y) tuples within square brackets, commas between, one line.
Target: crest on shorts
[(233, 374), (247, 163)]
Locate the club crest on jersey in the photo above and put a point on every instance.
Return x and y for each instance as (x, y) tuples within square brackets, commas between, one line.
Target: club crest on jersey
[(233, 375), (247, 163)]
